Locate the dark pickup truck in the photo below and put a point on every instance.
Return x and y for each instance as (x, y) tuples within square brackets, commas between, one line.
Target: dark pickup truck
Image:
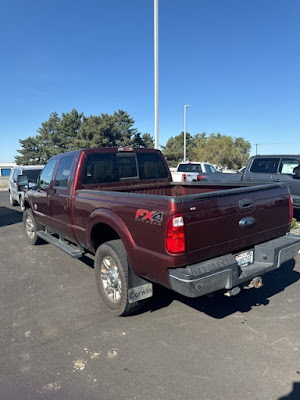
[(122, 206)]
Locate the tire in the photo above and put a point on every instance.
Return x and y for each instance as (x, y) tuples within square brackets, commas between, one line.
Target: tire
[(12, 201), (111, 271), (31, 227)]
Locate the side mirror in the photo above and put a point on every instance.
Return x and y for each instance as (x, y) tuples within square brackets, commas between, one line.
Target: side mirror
[(22, 182), (296, 173)]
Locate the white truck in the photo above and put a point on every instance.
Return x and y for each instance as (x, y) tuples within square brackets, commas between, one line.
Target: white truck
[(189, 171)]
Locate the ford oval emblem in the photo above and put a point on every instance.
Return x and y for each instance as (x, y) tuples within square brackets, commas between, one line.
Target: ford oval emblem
[(247, 222)]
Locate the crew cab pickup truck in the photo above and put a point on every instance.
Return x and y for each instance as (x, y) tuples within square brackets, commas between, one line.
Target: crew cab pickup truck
[(122, 206), (273, 168)]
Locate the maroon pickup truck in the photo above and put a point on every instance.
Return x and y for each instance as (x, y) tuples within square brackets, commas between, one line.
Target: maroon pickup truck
[(195, 238)]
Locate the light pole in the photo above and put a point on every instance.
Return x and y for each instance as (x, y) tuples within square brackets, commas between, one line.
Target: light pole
[(156, 84), (184, 131)]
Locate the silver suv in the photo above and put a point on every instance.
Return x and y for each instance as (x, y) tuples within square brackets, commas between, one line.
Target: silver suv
[(16, 194)]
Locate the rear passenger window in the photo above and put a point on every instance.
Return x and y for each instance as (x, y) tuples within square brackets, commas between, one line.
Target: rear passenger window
[(100, 168), (127, 166), (63, 171), (151, 166), (287, 165), (265, 165)]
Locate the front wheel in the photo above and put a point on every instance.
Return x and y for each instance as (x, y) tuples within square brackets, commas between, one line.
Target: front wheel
[(111, 270), (31, 227)]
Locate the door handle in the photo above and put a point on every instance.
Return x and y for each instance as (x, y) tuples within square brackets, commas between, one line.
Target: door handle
[(66, 203), (249, 179), (245, 204), (277, 180)]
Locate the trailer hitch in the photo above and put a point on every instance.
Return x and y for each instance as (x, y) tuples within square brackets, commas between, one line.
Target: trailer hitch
[(255, 283)]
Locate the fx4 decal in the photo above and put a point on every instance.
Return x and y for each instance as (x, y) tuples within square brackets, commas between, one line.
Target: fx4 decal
[(152, 217)]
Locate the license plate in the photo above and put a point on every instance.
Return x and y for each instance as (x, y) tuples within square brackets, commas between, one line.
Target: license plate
[(244, 259)]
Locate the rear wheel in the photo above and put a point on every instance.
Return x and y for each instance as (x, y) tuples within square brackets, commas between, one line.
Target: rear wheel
[(31, 227), (111, 270), (12, 201)]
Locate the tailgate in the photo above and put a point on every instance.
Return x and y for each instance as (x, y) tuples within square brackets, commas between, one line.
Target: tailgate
[(229, 221)]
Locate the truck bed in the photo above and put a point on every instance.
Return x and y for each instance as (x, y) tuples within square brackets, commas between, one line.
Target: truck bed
[(212, 214)]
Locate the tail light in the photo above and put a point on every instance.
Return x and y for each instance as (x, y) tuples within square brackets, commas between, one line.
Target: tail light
[(175, 237), (183, 177), (291, 209)]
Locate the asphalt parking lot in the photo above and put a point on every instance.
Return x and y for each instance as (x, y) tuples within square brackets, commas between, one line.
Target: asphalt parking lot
[(57, 343)]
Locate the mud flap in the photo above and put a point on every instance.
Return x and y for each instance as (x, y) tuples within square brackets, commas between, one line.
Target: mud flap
[(138, 288)]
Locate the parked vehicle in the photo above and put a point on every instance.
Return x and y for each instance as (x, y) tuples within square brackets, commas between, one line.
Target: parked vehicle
[(275, 168), (189, 171), (16, 194), (241, 170), (194, 238)]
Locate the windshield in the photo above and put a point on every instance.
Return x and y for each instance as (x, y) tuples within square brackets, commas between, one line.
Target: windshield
[(189, 168)]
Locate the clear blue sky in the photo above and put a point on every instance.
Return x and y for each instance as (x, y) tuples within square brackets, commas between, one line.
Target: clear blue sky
[(237, 62)]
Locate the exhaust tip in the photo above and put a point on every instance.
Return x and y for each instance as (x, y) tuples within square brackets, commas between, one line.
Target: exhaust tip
[(232, 292)]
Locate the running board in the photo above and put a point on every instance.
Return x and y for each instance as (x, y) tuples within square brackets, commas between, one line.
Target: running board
[(61, 244)]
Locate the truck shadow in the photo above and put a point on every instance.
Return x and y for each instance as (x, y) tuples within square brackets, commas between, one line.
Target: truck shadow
[(297, 216), (9, 216), (218, 306), (295, 393)]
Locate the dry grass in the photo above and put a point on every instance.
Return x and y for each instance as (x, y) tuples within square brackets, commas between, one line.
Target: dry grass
[(3, 183)]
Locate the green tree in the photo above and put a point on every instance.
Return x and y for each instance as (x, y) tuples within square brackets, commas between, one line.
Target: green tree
[(73, 131), (143, 140), (148, 140), (69, 128), (30, 152), (107, 130), (173, 150), (217, 149), (49, 138), (222, 150)]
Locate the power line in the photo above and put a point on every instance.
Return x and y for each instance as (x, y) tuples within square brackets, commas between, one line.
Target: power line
[(267, 143)]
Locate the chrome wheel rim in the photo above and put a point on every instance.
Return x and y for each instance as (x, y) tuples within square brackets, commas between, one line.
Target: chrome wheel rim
[(111, 280), (29, 226)]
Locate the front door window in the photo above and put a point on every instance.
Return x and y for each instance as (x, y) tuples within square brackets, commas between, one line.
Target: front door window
[(47, 173)]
